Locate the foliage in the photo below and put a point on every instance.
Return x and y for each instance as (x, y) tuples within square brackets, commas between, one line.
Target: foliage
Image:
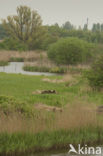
[(49, 39), (16, 59), (36, 68), (3, 33), (25, 27), (97, 27), (55, 69), (10, 105), (95, 75), (11, 44), (67, 25), (26, 143), (4, 63), (70, 51)]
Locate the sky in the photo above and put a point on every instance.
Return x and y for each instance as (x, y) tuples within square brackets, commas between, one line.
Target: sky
[(59, 11)]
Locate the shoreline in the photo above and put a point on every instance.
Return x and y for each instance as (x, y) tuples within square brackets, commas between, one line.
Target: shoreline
[(25, 143)]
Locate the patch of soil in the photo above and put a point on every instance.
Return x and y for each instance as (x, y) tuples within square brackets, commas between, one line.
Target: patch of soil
[(48, 108), (52, 81)]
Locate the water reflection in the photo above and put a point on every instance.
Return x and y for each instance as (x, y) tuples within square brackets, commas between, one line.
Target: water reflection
[(16, 67), (49, 154), (61, 153)]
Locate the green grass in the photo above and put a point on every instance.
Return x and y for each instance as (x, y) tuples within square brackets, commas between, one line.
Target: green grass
[(26, 142), (16, 93), (21, 87), (16, 59), (9, 105), (45, 69)]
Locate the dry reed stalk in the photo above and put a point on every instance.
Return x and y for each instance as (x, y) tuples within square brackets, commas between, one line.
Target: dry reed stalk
[(73, 116)]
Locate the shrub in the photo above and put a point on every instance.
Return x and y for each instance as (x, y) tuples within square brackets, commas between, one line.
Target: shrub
[(45, 69), (70, 51), (10, 44), (4, 63), (16, 59), (10, 105), (36, 68), (95, 75), (58, 70)]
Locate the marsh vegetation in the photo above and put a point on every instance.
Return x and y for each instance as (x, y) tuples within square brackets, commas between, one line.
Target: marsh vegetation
[(31, 118)]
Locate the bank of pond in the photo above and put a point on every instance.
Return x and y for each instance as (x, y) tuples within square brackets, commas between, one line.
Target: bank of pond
[(21, 67), (25, 143)]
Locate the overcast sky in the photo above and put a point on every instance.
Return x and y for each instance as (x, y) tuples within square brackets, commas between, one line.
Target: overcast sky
[(52, 11)]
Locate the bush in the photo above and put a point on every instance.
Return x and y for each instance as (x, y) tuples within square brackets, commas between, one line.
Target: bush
[(70, 51), (48, 41), (10, 44), (9, 105), (4, 63), (16, 59), (45, 69), (95, 75)]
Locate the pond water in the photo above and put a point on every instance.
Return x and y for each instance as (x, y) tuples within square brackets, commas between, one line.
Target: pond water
[(17, 67), (45, 154), (62, 153)]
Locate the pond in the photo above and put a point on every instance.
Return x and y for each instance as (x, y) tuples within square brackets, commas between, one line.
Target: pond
[(49, 154), (17, 67), (62, 153)]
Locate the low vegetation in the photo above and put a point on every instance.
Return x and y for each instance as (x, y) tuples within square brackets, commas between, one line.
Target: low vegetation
[(4, 63), (55, 69), (31, 143), (24, 126), (39, 113), (9, 105), (13, 45), (17, 56), (70, 51), (95, 74)]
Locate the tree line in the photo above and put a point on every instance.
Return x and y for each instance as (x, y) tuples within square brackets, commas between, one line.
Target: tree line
[(24, 31)]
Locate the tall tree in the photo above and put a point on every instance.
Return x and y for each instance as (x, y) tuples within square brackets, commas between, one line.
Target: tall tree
[(67, 25), (85, 27), (25, 26), (3, 33), (101, 27)]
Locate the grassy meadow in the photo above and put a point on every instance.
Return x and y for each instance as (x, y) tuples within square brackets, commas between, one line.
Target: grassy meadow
[(26, 127)]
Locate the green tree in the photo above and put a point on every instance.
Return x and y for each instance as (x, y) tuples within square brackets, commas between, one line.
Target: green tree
[(70, 51), (95, 74), (3, 33), (67, 25), (26, 26), (85, 27), (101, 27)]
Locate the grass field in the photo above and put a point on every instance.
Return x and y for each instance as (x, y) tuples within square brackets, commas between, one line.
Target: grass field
[(22, 86), (23, 127)]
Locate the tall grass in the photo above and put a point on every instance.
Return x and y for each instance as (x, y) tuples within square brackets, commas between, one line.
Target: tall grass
[(81, 115), (50, 131), (77, 123), (26, 56)]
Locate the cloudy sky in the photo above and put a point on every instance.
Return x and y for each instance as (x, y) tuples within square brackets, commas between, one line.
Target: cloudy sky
[(52, 11)]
